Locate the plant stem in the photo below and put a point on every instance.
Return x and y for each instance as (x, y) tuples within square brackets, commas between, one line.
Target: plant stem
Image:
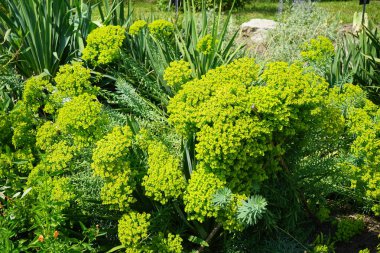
[(209, 237), (301, 195)]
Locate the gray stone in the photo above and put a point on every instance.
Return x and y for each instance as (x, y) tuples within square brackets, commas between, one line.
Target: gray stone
[(257, 29)]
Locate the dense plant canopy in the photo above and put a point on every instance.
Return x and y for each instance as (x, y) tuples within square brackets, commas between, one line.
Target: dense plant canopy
[(162, 136)]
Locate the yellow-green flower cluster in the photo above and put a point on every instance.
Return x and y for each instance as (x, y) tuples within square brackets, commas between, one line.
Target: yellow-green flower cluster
[(321, 248), (301, 92), (78, 124), (161, 28), (111, 152), (206, 44), (133, 228), (110, 161), (24, 125), (71, 80), (104, 44), (171, 244), (234, 120), (59, 156), (137, 27), (318, 50), (61, 191), (228, 215), (218, 108), (34, 95), (366, 147), (47, 135), (199, 195), (117, 193), (58, 189), (348, 228), (362, 122), (184, 108), (178, 73), (79, 114), (23, 134), (164, 179)]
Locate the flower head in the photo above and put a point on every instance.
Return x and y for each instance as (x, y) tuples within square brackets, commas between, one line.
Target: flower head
[(161, 28), (41, 238), (206, 44), (103, 44), (178, 73), (137, 27)]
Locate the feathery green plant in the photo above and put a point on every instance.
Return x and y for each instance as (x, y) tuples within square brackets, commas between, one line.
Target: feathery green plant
[(134, 102), (252, 210), (222, 197)]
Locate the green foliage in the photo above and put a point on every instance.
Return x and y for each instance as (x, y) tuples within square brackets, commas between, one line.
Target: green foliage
[(323, 214), (204, 40), (103, 45), (129, 99), (39, 43), (358, 57), (348, 228), (10, 88), (323, 244), (225, 4), (222, 197), (136, 85), (114, 12)]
